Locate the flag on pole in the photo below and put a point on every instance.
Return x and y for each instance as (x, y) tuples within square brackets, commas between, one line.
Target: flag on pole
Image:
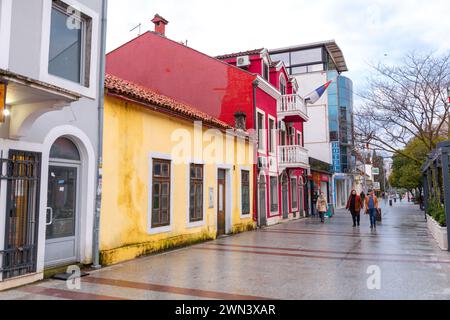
[(314, 96)]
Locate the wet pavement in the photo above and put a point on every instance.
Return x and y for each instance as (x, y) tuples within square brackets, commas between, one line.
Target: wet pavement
[(301, 259)]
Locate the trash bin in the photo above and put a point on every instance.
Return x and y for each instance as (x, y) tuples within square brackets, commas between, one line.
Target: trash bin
[(330, 212)]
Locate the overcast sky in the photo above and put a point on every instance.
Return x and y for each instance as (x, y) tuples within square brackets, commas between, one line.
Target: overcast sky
[(367, 31)]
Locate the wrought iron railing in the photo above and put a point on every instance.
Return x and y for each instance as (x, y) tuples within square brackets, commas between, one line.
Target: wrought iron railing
[(22, 174)]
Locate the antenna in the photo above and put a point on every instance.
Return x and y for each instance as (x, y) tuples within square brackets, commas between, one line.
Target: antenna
[(138, 26)]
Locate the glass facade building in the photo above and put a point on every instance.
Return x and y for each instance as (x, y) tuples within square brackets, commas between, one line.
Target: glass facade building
[(340, 117)]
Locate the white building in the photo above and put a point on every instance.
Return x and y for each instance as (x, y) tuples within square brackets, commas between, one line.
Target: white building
[(329, 132), (50, 61)]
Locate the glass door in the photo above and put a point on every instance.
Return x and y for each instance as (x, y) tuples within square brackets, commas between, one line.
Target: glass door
[(61, 231)]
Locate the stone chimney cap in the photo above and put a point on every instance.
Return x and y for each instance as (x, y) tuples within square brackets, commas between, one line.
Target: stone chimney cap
[(158, 18)]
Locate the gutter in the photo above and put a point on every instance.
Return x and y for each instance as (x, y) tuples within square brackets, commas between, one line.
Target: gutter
[(101, 108), (255, 148)]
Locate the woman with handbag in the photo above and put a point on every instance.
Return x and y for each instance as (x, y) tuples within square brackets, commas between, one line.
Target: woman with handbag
[(372, 208), (354, 205)]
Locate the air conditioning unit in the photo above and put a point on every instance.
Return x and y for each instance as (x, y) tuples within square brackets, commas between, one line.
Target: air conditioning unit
[(281, 125), (262, 163), (243, 61)]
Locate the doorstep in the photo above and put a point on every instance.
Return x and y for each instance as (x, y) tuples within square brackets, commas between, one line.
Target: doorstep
[(21, 281)]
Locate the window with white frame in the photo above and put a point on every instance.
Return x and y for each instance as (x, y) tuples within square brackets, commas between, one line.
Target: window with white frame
[(273, 194), (161, 180), (196, 193), (70, 43), (292, 135), (272, 135), (265, 69), (299, 139), (245, 189), (283, 86), (261, 129)]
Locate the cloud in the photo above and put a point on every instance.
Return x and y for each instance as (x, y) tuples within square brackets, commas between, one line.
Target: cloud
[(367, 31)]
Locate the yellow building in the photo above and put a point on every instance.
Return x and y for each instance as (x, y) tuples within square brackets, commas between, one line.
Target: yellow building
[(172, 175)]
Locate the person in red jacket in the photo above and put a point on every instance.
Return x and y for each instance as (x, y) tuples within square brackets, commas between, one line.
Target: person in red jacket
[(354, 205)]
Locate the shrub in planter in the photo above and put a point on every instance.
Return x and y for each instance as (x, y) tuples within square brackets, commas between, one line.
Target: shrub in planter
[(439, 216), (437, 211)]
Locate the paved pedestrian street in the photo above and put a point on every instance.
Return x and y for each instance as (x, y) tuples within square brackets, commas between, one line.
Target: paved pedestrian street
[(301, 259)]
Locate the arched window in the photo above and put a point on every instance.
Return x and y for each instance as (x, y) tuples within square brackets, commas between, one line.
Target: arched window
[(65, 149), (283, 85)]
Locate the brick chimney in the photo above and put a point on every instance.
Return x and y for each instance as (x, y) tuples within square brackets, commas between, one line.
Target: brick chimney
[(240, 119), (160, 24)]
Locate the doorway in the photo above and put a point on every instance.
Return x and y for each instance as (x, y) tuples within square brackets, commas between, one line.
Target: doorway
[(62, 219), (221, 201), (22, 172), (285, 197)]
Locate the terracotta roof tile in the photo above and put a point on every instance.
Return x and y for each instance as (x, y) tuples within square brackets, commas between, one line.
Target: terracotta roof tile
[(239, 54), (145, 95)]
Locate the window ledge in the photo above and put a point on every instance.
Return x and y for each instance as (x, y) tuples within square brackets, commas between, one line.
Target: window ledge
[(158, 230), (197, 224)]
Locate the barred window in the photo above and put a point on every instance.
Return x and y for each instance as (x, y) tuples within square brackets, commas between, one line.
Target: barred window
[(196, 193), (245, 189), (161, 193)]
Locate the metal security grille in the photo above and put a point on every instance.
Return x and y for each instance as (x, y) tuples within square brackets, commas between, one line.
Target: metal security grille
[(22, 172)]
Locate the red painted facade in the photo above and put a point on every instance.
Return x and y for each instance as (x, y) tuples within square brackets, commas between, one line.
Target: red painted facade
[(184, 74), (216, 87)]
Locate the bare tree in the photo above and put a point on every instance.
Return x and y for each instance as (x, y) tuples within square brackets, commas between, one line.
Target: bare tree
[(403, 102)]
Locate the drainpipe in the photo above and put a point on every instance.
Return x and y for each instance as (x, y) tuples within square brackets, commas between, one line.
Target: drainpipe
[(255, 147), (101, 101)]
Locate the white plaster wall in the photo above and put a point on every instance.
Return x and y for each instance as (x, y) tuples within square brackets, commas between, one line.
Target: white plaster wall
[(316, 130)]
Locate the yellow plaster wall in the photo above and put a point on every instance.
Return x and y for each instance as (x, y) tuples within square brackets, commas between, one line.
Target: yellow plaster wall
[(131, 133)]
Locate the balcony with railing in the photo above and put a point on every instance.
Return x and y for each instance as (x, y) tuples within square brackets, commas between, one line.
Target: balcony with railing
[(292, 108), (293, 157)]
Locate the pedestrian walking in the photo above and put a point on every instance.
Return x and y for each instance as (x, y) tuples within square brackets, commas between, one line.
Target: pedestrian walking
[(362, 195), (315, 197), (354, 205), (372, 208), (322, 206)]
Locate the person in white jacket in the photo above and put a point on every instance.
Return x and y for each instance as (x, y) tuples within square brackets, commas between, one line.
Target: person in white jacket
[(322, 206)]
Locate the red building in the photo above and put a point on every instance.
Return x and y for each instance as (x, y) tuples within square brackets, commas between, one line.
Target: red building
[(283, 140), (247, 82)]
